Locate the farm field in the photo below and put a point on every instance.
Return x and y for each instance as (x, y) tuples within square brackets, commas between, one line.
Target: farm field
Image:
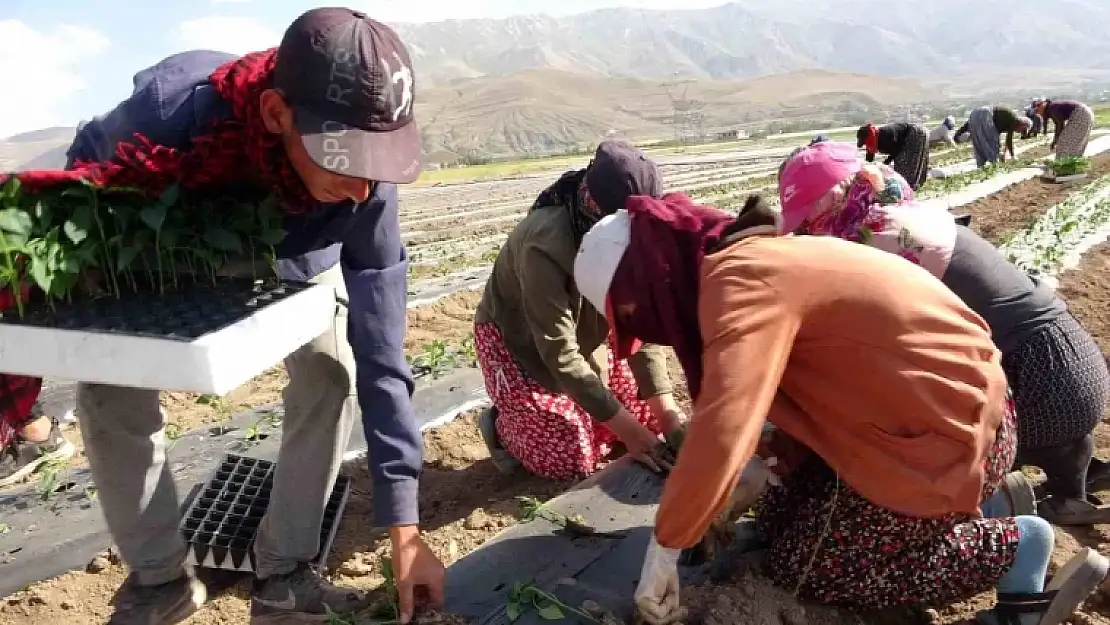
[(453, 232)]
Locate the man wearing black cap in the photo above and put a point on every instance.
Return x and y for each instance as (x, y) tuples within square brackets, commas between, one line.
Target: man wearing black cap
[(325, 123), (537, 338)]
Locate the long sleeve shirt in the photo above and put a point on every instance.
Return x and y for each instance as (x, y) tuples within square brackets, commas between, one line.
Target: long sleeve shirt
[(548, 327), (866, 359), (1005, 122), (1058, 112), (171, 104), (891, 141)]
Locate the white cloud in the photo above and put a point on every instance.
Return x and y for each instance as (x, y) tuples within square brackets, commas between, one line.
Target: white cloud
[(39, 69), (226, 33), (229, 1)]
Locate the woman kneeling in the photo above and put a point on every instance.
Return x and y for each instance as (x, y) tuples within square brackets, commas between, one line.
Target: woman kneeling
[(891, 382), (538, 342)]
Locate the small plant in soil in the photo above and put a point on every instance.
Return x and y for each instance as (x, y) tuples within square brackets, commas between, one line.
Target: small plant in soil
[(387, 612), (530, 509), (524, 596), (439, 356), (223, 411), (52, 478), (76, 240), (172, 432), (254, 433)]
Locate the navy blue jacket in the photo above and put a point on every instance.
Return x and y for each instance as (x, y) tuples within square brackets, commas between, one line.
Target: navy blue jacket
[(173, 102)]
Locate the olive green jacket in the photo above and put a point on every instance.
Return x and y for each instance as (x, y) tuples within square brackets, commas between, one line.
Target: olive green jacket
[(551, 331)]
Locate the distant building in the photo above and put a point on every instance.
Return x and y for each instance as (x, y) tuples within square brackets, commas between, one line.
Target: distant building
[(734, 134)]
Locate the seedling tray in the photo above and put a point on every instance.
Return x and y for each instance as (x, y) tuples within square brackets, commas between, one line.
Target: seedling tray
[(222, 522), (201, 337), (1063, 179)]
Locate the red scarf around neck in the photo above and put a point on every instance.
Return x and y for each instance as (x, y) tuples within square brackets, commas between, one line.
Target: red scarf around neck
[(215, 159)]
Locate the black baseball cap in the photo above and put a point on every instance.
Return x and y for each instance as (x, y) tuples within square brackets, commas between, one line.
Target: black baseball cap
[(618, 171), (350, 82)]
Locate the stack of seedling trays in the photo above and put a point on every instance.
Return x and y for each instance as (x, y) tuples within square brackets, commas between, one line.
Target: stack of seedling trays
[(222, 521), (1067, 169)]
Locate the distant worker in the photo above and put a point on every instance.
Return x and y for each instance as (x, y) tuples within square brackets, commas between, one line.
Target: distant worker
[(906, 146), (944, 134), (985, 125), (1038, 122), (560, 401), (1073, 124)]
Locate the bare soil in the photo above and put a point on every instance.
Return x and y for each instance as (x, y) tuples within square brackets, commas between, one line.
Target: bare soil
[(999, 216), (450, 319)]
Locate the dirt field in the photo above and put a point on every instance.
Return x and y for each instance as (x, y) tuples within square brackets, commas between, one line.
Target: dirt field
[(999, 216)]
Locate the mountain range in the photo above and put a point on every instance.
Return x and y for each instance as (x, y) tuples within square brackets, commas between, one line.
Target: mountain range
[(531, 85), (760, 37)]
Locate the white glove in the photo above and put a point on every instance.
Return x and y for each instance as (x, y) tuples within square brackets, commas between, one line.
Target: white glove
[(657, 593)]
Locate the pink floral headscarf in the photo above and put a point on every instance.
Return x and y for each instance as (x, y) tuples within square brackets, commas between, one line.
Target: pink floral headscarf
[(874, 206)]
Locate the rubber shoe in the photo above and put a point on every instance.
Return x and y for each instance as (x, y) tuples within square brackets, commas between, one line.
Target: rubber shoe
[(157, 605), (502, 459), (1023, 501), (302, 596)]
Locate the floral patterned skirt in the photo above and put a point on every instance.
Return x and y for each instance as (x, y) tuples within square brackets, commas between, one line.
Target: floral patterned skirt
[(547, 432), (831, 545)]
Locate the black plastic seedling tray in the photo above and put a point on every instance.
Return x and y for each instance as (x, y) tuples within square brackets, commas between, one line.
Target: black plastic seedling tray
[(222, 522), (184, 313)]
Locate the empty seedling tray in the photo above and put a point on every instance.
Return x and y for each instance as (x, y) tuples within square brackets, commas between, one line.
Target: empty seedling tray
[(222, 522), (200, 337)]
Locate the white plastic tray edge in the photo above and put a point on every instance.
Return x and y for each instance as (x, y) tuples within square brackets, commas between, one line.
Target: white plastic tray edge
[(214, 363)]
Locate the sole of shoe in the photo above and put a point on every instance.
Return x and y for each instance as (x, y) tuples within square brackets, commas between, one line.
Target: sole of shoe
[(64, 451), (1075, 581), (1020, 491)]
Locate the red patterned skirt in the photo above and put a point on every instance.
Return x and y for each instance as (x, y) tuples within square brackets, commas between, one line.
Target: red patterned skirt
[(547, 432), (831, 545), (18, 393)]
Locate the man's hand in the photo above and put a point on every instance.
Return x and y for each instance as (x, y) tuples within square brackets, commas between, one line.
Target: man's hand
[(656, 596), (645, 447), (417, 571)]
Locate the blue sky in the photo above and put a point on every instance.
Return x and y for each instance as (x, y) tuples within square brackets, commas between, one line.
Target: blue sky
[(66, 60)]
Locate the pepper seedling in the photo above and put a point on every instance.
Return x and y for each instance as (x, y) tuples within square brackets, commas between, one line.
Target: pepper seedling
[(77, 239)]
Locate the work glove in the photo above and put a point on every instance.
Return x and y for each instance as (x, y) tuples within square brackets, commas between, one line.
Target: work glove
[(656, 596)]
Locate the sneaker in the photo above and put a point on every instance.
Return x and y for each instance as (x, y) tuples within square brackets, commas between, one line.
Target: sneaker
[(157, 605), (22, 458), (302, 596), (502, 459)]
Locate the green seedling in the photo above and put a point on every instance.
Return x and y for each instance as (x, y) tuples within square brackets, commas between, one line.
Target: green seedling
[(529, 509), (269, 419), (172, 432), (77, 239), (524, 596), (52, 477), (5, 528), (1069, 166), (222, 409)]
